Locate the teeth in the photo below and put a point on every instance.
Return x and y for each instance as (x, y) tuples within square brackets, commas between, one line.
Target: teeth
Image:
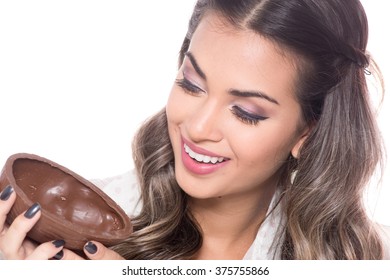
[(200, 157)]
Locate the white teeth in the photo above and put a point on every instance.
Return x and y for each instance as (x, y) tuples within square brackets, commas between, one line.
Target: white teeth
[(200, 157), (206, 159)]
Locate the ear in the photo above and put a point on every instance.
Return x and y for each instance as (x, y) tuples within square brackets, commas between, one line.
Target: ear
[(297, 147)]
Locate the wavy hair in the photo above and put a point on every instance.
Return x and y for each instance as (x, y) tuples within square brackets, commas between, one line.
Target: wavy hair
[(323, 205)]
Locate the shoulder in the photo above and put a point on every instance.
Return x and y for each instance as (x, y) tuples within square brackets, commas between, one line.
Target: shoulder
[(384, 231), (124, 189)]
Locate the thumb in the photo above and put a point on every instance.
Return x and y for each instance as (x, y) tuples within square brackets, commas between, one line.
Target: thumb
[(97, 251)]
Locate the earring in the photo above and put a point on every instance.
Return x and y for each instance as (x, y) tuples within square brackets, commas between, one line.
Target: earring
[(293, 176)]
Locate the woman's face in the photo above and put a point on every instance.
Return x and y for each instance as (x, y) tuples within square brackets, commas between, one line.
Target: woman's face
[(232, 116)]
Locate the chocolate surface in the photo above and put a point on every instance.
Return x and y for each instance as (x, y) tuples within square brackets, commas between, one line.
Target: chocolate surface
[(64, 196), (73, 209)]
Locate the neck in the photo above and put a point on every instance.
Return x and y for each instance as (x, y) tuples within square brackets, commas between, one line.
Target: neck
[(229, 224)]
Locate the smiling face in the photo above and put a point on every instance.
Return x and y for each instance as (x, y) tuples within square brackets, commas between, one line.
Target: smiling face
[(232, 116)]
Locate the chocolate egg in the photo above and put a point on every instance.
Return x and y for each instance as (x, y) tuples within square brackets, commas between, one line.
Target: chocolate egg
[(73, 209)]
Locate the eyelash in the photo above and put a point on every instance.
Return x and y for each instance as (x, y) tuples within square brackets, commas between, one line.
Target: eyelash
[(241, 114), (189, 87), (247, 117)]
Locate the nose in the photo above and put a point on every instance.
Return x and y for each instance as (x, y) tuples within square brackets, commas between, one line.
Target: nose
[(205, 123)]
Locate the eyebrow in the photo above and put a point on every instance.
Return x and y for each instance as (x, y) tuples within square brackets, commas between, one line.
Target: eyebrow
[(196, 65), (257, 94), (233, 92)]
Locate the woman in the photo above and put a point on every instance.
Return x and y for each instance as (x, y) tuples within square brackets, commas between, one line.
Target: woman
[(264, 148)]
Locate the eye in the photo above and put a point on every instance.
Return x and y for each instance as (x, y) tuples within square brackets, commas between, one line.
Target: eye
[(189, 87), (246, 117)]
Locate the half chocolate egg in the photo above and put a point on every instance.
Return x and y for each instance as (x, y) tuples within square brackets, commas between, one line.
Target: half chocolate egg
[(73, 209)]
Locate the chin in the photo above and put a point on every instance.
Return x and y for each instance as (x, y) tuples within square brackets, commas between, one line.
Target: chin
[(199, 189)]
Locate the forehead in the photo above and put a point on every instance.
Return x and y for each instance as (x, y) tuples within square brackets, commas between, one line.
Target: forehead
[(243, 57)]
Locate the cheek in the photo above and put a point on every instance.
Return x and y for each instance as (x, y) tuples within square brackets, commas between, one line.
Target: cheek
[(176, 108), (253, 155), (177, 112), (266, 149)]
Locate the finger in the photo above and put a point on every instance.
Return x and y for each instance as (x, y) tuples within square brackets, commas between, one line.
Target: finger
[(48, 250), (17, 231), (70, 255), (7, 199), (29, 246), (97, 251)]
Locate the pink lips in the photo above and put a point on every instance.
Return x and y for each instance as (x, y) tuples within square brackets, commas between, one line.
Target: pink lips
[(199, 168)]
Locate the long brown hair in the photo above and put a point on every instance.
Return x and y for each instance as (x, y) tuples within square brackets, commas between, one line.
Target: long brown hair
[(323, 205)]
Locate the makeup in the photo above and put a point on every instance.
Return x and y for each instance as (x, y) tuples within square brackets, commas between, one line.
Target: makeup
[(200, 161)]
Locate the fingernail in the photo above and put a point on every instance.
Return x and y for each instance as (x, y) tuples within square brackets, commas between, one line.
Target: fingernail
[(58, 243), (59, 255), (6, 193), (32, 210), (91, 248)]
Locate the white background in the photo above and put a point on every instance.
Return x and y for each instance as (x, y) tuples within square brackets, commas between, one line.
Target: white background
[(78, 77)]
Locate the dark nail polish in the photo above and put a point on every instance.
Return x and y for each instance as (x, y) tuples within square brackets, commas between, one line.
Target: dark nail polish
[(32, 210), (6, 193), (59, 255), (58, 243), (91, 248)]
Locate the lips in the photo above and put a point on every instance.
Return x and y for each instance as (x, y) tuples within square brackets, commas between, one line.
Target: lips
[(201, 157), (200, 161)]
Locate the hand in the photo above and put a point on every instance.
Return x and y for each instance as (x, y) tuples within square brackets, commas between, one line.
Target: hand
[(13, 242), (97, 251), (94, 251), (15, 246)]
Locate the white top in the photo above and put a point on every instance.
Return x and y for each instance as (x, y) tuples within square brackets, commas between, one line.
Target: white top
[(124, 190)]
